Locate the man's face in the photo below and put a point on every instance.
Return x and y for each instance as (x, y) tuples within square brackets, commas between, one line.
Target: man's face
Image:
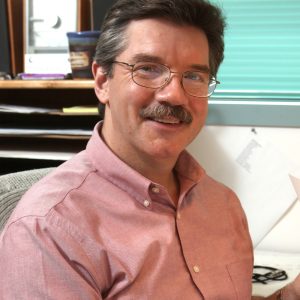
[(126, 132)]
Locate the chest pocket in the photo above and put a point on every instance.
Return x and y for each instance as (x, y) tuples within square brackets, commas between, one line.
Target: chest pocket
[(229, 282)]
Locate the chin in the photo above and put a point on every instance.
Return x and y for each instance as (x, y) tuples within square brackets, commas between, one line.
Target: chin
[(168, 152)]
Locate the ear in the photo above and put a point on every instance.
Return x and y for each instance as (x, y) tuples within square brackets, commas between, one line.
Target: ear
[(101, 83)]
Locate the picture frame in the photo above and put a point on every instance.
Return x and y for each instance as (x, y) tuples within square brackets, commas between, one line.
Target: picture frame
[(17, 19), (15, 30)]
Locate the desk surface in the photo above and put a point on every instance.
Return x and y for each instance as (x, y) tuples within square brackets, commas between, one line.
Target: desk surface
[(289, 262)]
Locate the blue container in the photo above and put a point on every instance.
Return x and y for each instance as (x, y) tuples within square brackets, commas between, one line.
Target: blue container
[(82, 46)]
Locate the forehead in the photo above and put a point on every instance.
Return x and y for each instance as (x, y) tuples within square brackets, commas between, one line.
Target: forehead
[(168, 41)]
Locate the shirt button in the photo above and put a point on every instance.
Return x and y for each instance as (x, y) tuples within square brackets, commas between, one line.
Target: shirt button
[(196, 269), (155, 190), (146, 203)]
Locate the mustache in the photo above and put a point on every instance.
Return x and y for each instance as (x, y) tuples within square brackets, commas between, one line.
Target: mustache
[(162, 110)]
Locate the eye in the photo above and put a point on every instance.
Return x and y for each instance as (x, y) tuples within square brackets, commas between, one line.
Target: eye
[(198, 77), (148, 70)]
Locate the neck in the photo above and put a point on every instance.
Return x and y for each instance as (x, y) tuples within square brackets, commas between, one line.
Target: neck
[(159, 170), (163, 174)]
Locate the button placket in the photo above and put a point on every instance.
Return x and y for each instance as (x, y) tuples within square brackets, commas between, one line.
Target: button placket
[(146, 203), (155, 189), (196, 269)]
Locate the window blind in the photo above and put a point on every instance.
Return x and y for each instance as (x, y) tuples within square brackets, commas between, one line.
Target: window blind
[(262, 50)]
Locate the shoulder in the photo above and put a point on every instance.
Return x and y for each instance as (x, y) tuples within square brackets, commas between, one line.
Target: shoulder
[(215, 190), (220, 200), (53, 189)]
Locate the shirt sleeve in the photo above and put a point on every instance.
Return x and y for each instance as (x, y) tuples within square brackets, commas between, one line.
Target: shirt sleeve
[(41, 261)]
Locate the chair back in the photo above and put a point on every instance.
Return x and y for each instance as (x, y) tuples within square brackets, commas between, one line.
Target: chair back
[(12, 188)]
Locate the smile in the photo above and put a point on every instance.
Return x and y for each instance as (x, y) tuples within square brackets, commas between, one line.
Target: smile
[(167, 120)]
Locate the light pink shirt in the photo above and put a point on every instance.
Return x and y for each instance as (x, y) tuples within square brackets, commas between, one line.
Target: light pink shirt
[(96, 229)]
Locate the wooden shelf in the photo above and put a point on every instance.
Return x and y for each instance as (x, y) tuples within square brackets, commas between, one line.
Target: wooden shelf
[(47, 84), (44, 149)]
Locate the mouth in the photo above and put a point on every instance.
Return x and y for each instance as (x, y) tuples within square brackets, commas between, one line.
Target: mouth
[(167, 120)]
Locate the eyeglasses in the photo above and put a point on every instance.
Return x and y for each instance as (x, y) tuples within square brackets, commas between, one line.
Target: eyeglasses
[(272, 274), (153, 75)]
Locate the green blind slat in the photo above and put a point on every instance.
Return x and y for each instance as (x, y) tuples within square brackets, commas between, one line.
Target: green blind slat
[(262, 49)]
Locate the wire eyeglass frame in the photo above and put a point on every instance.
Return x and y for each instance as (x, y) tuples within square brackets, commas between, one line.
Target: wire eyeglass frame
[(165, 75)]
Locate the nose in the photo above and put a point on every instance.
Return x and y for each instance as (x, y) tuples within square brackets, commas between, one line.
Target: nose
[(173, 92)]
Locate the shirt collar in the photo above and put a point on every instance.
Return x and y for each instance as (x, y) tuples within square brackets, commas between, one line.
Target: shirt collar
[(187, 167), (119, 173)]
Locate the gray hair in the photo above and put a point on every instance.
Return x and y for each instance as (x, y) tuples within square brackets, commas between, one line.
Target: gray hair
[(197, 13)]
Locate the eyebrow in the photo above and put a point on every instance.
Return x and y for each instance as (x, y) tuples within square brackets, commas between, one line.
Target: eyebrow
[(201, 68), (140, 57), (147, 58)]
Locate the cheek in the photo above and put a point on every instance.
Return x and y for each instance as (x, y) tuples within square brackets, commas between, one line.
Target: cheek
[(200, 110), (126, 103), (138, 97)]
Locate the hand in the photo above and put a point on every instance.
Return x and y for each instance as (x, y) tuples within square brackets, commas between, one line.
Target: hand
[(289, 292), (292, 290)]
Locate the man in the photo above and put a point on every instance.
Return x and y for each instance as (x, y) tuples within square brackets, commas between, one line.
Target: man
[(134, 216)]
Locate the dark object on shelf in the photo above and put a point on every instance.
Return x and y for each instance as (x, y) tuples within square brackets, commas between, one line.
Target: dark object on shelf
[(5, 59), (82, 46), (4, 76)]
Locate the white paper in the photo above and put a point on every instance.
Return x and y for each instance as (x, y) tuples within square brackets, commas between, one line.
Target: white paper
[(60, 132), (285, 236), (50, 155), (73, 110), (295, 178), (265, 188), (7, 108)]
